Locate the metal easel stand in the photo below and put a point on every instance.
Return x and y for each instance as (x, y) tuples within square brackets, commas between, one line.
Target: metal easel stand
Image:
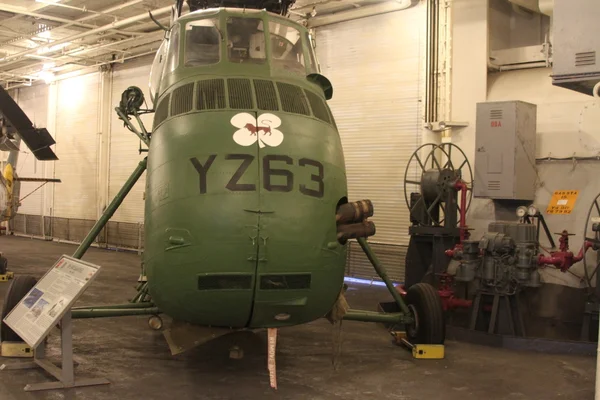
[(64, 374)]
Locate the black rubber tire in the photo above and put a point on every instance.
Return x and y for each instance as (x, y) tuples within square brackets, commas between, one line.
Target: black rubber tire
[(3, 265), (426, 303), (18, 288)]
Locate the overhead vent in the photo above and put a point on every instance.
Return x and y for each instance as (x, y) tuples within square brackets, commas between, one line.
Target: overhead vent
[(318, 106), (585, 59), (496, 114), (210, 94), (266, 98), (183, 99), (240, 94), (224, 282), (493, 185), (162, 111), (292, 99), (283, 282)]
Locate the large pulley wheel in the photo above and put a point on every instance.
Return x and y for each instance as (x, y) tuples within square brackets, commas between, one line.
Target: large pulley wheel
[(432, 170), (425, 305), (19, 287), (591, 233)]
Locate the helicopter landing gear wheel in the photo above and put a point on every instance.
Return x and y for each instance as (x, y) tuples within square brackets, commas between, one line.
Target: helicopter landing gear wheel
[(432, 171), (591, 234), (19, 287), (155, 322), (425, 305)]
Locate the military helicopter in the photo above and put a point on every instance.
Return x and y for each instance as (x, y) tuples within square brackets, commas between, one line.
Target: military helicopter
[(15, 127), (247, 218)]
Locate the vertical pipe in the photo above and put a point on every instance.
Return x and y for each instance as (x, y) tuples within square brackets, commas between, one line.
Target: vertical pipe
[(110, 210), (382, 274)]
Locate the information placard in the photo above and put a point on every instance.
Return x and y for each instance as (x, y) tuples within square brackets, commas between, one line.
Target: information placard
[(41, 309), (562, 202)]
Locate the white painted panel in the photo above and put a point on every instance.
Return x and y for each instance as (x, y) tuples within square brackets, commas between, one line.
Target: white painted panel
[(375, 66), (34, 102), (76, 138), (124, 145)]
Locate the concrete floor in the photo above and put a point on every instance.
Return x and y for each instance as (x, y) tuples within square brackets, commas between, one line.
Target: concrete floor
[(138, 363)]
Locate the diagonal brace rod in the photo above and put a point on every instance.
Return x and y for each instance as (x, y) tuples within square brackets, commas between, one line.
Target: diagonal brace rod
[(110, 210), (383, 274)]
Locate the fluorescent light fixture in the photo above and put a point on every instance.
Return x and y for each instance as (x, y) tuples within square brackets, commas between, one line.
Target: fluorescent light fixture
[(48, 65), (404, 3), (47, 1), (49, 49)]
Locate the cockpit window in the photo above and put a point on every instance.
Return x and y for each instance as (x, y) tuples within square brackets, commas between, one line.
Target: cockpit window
[(312, 62), (286, 48), (246, 40), (202, 39)]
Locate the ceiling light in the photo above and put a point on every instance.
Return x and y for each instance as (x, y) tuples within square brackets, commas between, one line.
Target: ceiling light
[(47, 1), (47, 76), (404, 3)]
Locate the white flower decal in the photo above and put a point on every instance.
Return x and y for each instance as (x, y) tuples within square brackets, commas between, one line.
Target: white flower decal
[(249, 132)]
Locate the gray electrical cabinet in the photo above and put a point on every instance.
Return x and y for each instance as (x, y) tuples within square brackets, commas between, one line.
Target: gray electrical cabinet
[(576, 44), (505, 150)]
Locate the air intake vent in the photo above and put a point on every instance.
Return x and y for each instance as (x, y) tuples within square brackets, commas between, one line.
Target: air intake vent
[(493, 185), (292, 99), (240, 94), (282, 282), (318, 106), (496, 114), (223, 282), (266, 98), (162, 111), (210, 94), (183, 99), (586, 58)]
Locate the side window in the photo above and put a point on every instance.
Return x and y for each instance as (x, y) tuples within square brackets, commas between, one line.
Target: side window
[(156, 70), (173, 57), (202, 43), (246, 40), (286, 48)]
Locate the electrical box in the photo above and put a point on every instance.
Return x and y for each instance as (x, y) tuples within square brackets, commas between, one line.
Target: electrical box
[(575, 45), (505, 150)]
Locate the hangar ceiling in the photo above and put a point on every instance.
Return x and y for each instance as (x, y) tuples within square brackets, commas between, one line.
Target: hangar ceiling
[(48, 39)]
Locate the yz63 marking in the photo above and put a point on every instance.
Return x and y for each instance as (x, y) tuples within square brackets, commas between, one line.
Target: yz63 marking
[(271, 167)]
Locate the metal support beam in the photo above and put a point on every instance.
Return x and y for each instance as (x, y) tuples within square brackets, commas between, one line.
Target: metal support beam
[(110, 210), (383, 274)]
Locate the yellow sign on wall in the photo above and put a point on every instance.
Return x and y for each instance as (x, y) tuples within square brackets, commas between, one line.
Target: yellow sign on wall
[(562, 202)]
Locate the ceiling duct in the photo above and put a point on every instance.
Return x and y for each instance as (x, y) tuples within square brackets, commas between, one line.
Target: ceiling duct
[(539, 6)]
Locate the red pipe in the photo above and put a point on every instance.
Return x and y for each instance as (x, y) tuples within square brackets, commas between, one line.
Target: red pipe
[(564, 259)]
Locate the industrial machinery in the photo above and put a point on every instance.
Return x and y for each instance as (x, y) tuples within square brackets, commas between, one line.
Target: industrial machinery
[(433, 179), (247, 217)]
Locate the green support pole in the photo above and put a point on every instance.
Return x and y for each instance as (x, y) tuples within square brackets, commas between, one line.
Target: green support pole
[(383, 274), (372, 316), (115, 306), (114, 312), (110, 210)]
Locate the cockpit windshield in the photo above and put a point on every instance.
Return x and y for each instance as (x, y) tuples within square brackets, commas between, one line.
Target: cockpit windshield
[(202, 42), (286, 47), (246, 40)]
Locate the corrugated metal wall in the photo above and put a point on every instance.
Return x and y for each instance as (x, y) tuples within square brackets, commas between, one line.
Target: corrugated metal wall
[(77, 139), (375, 66), (124, 145)]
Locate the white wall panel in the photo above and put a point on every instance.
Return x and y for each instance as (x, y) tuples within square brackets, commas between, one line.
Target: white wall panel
[(34, 102), (124, 145), (76, 136), (375, 65)]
